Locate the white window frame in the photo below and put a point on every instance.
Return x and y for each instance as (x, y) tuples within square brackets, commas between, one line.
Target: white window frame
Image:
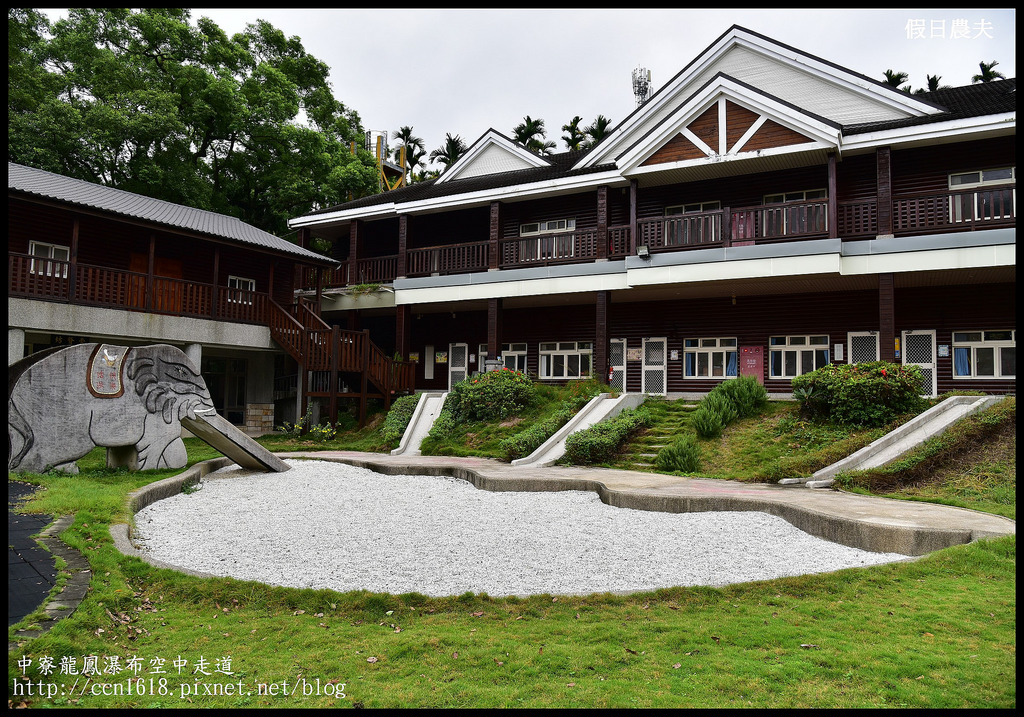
[(549, 226), (513, 356), (957, 211), (799, 344), (785, 198), (981, 340), (692, 208), (46, 260), (565, 353), (237, 285), (709, 347)]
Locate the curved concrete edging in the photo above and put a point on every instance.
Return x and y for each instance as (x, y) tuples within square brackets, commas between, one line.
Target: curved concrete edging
[(149, 494), (873, 537)]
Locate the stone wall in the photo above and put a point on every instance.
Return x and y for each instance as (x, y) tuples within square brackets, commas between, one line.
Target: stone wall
[(259, 418)]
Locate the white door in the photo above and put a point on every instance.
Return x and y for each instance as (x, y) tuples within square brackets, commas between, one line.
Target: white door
[(918, 349), (862, 346), (617, 363), (654, 365), (458, 363)]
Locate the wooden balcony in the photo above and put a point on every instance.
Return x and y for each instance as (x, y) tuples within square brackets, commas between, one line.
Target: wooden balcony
[(964, 210), (51, 280)]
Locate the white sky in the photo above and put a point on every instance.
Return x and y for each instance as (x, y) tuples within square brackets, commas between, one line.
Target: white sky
[(466, 71)]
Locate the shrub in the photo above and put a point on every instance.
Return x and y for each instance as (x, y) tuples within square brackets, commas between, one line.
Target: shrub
[(398, 417), (721, 404), (747, 394), (707, 422), (526, 442), (682, 456), (602, 440), (864, 394), (491, 395)]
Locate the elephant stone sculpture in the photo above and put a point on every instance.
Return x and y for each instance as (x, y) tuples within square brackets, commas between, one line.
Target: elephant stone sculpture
[(63, 402)]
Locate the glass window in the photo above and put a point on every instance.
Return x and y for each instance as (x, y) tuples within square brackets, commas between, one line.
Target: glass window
[(52, 258), (984, 354), (710, 358), (513, 357), (240, 289), (566, 359), (786, 362)]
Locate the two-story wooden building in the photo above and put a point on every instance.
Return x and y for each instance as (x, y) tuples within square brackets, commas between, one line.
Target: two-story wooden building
[(93, 263), (765, 212)]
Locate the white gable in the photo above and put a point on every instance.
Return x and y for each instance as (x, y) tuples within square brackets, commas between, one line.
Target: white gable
[(800, 84), (491, 154)]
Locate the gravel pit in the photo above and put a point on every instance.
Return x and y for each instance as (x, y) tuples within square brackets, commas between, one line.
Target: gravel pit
[(330, 525)]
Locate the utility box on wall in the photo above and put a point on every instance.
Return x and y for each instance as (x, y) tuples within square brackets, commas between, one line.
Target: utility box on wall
[(752, 362)]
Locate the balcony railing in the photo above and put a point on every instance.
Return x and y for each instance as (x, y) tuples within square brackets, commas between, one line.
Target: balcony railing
[(451, 259), (961, 210), (31, 277)]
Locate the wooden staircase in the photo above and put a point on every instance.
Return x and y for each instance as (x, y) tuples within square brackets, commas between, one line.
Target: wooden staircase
[(329, 357)]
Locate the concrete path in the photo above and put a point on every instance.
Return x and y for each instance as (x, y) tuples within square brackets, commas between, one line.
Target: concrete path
[(866, 522)]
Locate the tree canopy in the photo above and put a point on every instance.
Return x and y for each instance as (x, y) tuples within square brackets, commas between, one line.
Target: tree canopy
[(150, 102)]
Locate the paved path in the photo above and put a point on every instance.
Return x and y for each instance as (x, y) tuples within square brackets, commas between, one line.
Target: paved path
[(30, 569)]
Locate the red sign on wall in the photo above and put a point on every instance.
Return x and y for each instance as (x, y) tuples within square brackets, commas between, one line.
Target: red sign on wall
[(752, 362)]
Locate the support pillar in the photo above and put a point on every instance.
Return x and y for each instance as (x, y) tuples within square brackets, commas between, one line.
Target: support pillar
[(602, 223), (493, 330), (886, 318), (195, 354), (403, 246), (15, 345), (494, 237), (833, 206), (403, 330), (604, 300), (633, 239), (883, 192), (355, 240)]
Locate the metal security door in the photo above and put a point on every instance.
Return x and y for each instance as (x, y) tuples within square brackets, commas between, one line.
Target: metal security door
[(617, 363), (863, 346), (458, 363), (919, 350), (654, 366)]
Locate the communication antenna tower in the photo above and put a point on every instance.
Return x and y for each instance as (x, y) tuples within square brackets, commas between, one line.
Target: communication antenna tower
[(641, 85)]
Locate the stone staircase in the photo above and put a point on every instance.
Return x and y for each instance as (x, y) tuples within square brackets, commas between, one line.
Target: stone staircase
[(669, 420)]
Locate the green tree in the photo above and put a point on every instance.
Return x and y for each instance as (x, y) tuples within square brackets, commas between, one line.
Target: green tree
[(414, 149), (597, 130), (933, 85), (150, 102), (988, 74), (450, 151), (575, 135), (531, 134)]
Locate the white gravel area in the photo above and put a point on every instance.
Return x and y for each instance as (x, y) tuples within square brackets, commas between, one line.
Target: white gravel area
[(330, 525)]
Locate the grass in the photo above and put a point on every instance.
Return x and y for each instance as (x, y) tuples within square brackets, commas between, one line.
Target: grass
[(939, 632)]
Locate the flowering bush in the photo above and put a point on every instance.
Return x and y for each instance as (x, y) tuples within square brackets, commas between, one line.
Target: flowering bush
[(492, 395), (864, 394)]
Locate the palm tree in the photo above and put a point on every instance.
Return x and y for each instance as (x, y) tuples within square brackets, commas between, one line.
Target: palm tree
[(530, 133), (598, 130), (933, 85), (576, 136), (412, 144), (895, 79), (449, 152), (987, 73)]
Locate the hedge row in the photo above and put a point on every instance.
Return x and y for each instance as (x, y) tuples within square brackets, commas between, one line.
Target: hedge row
[(603, 440)]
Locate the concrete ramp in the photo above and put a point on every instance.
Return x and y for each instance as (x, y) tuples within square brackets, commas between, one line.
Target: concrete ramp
[(902, 440), (428, 408), (243, 450), (600, 408)]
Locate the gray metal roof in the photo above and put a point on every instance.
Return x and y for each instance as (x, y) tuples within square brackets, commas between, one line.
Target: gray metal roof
[(117, 201)]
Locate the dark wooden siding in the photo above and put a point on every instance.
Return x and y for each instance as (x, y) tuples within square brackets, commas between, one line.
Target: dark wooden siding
[(927, 169), (751, 320), (581, 207)]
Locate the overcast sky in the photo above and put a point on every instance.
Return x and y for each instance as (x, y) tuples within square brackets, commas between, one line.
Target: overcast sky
[(466, 71)]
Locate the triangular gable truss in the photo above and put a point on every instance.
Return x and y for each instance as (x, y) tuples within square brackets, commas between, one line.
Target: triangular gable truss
[(725, 128), (725, 120), (491, 154)]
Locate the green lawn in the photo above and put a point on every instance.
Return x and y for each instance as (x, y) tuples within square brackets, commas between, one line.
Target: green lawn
[(937, 632)]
